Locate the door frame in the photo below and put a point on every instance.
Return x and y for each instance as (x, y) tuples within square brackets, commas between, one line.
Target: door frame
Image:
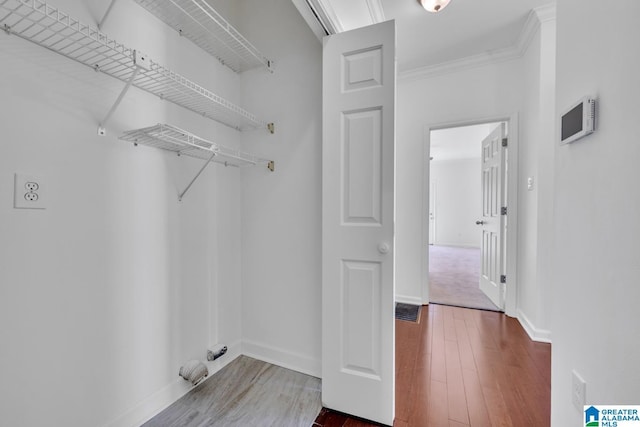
[(511, 238)]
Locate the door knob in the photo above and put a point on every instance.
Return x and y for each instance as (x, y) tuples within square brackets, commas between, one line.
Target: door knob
[(479, 222), (383, 248)]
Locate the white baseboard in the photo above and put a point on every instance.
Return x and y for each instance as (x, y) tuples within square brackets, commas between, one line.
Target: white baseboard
[(539, 335), (160, 400), (404, 299), (286, 359), (458, 245)]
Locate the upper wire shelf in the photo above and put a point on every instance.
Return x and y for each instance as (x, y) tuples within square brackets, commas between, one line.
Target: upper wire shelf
[(40, 23), (172, 138), (200, 23)]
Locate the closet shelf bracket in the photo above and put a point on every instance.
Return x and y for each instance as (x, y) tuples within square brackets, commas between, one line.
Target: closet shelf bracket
[(140, 62), (106, 14), (181, 195)]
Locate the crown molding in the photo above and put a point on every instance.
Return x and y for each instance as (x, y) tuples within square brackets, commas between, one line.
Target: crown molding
[(517, 50), (327, 14), (473, 61), (376, 11), (546, 12), (535, 18), (310, 19)]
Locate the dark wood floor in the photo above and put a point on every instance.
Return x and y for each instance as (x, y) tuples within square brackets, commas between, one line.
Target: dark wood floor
[(463, 367)]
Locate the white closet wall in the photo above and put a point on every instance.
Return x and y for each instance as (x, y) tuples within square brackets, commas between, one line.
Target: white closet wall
[(106, 292), (281, 240)]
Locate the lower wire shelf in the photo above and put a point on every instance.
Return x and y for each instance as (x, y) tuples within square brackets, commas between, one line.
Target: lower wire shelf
[(179, 141), (172, 138)]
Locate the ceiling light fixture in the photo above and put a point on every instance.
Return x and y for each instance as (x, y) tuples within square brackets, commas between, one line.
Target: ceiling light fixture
[(434, 5)]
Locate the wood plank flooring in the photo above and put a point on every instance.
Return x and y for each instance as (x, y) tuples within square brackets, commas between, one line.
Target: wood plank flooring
[(247, 392), (463, 367)]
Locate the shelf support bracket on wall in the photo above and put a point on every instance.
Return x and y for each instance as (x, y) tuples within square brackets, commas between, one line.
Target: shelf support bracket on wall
[(106, 14), (181, 195), (102, 131), (140, 61)]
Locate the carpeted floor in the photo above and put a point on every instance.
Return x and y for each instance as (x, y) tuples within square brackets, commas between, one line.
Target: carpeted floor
[(454, 276)]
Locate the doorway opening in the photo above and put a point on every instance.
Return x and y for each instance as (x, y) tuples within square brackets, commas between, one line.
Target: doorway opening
[(467, 231)]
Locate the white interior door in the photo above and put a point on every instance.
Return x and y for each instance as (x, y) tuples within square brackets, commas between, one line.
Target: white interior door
[(491, 267), (358, 326)]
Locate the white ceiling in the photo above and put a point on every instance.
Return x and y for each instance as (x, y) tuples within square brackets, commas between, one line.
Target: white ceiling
[(459, 143), (464, 28)]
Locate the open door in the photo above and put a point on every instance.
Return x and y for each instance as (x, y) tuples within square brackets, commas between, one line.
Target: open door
[(492, 222), (358, 325)]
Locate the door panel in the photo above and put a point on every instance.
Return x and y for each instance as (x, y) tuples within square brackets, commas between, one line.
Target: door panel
[(361, 330), (358, 373), (362, 145)]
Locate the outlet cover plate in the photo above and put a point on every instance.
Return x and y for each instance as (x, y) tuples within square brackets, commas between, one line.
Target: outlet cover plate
[(29, 192), (578, 391)]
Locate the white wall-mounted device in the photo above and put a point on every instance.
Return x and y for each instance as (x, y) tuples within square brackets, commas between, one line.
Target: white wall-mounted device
[(577, 121)]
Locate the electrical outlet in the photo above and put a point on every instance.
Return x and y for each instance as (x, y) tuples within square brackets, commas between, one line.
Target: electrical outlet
[(31, 196), (28, 192), (32, 186), (578, 391)]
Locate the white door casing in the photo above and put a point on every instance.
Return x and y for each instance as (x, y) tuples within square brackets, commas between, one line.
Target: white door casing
[(492, 222), (358, 326)]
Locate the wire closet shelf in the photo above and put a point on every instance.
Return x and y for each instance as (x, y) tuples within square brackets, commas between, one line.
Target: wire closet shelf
[(40, 23), (200, 23), (172, 138)]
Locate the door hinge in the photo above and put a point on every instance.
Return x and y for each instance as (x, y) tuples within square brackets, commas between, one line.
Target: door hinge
[(503, 210), (505, 142), (503, 278)]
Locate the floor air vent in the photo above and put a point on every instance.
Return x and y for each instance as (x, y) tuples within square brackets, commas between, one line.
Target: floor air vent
[(407, 312)]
